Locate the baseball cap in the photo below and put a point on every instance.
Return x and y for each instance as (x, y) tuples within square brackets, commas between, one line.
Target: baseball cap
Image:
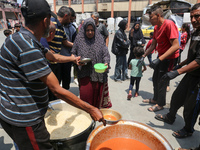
[(36, 8)]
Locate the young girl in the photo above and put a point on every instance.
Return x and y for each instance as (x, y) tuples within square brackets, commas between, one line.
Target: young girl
[(184, 38), (136, 71)]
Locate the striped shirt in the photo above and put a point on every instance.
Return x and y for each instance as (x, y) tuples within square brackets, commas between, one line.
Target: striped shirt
[(24, 98), (60, 35)]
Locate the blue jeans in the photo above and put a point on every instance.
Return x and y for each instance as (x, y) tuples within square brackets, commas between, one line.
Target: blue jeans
[(121, 68), (149, 58)]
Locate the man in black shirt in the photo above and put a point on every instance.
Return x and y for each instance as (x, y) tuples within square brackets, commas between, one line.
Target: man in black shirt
[(101, 27)]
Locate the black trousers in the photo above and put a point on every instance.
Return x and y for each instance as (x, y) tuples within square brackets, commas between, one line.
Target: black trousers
[(29, 138), (187, 95), (56, 69), (159, 86), (66, 74)]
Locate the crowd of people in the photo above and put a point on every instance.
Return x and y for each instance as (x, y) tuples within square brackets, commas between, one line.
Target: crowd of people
[(36, 62)]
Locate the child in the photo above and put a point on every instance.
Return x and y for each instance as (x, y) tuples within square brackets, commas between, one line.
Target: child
[(148, 45), (136, 72)]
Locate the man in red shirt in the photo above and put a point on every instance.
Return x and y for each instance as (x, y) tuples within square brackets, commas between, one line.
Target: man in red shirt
[(166, 39)]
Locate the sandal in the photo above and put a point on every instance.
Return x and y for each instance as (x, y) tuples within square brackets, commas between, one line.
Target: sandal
[(163, 118), (181, 134), (136, 94), (155, 108), (150, 101), (129, 96)]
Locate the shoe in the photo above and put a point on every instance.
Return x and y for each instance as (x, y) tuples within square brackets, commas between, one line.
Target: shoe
[(129, 96), (149, 101), (155, 108), (182, 133), (120, 81), (136, 94), (127, 78), (76, 81), (164, 118)]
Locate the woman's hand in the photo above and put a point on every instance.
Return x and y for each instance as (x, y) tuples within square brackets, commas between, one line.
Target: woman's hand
[(132, 30), (106, 64), (77, 59)]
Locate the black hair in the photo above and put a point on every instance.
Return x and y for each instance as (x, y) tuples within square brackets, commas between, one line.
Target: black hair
[(151, 33), (156, 9), (17, 25), (195, 7), (7, 32), (63, 10), (138, 51), (187, 29), (73, 13)]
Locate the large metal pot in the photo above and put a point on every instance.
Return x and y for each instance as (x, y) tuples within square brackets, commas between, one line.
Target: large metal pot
[(76, 142), (128, 129)]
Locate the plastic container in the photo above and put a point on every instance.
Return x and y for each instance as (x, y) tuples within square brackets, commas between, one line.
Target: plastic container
[(100, 68)]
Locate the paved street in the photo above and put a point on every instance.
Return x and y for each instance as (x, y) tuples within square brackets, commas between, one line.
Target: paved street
[(134, 110)]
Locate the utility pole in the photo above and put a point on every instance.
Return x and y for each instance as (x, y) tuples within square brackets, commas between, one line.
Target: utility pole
[(129, 14), (82, 6), (97, 5), (112, 9), (54, 6)]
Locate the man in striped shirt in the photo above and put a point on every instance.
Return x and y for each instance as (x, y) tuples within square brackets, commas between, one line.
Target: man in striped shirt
[(25, 76), (63, 18)]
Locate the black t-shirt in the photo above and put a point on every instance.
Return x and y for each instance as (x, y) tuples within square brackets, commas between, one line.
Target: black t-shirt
[(102, 29), (194, 51)]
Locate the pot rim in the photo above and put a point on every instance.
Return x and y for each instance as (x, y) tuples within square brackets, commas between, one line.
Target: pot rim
[(75, 136), (159, 136)]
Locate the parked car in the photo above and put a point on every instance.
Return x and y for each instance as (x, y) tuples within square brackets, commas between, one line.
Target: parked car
[(146, 31)]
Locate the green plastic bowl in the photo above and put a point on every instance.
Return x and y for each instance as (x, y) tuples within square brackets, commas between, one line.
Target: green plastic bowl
[(100, 68)]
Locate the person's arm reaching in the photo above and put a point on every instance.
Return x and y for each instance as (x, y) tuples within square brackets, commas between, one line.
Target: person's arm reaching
[(60, 58), (51, 81), (190, 67), (107, 41), (67, 43), (173, 74), (171, 50), (151, 48)]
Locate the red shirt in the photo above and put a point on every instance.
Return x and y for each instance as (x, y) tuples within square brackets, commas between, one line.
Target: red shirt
[(163, 34), (183, 40)]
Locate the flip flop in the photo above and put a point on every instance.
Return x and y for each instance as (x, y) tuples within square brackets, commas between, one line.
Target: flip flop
[(155, 108), (149, 101), (163, 118), (181, 133)]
